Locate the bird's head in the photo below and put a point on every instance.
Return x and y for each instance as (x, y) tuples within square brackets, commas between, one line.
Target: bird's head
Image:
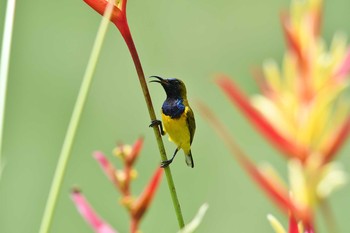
[(172, 86)]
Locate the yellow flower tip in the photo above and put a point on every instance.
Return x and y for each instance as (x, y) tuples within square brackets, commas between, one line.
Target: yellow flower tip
[(127, 202), (270, 111), (333, 178), (122, 151), (121, 177), (272, 74), (298, 184), (276, 225), (133, 174)]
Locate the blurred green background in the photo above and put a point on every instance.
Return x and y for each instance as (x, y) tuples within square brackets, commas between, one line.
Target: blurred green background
[(189, 39)]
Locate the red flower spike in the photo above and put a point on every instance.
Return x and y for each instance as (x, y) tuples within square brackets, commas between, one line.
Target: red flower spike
[(136, 148), (292, 42), (270, 132), (337, 141), (108, 168), (141, 204), (89, 214), (293, 225), (278, 194)]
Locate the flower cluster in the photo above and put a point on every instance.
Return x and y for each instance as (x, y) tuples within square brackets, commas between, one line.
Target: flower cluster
[(301, 112), (121, 179)]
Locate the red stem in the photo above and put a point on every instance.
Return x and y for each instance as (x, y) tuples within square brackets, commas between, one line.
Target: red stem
[(119, 19), (134, 225)]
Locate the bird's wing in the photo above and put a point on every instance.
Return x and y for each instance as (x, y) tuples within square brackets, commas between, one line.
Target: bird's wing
[(191, 123)]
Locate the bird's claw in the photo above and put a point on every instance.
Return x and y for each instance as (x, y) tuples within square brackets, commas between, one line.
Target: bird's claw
[(155, 122), (158, 123), (166, 163)]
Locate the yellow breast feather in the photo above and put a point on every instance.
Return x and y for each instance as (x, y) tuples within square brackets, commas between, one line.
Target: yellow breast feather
[(177, 130)]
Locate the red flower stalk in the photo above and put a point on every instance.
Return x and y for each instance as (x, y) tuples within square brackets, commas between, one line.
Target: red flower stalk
[(136, 148), (286, 145), (119, 19), (292, 42), (337, 140)]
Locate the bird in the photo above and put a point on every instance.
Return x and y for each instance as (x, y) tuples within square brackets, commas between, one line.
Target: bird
[(177, 118)]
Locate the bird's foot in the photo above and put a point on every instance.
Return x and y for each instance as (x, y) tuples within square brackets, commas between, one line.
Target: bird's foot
[(158, 123), (166, 163), (155, 122)]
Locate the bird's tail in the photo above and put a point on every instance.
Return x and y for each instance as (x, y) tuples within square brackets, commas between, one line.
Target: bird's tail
[(189, 160)]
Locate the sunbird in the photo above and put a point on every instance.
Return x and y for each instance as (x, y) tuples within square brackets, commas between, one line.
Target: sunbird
[(177, 117)]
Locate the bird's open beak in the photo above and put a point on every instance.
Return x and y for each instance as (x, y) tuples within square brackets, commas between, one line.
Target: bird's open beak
[(159, 80)]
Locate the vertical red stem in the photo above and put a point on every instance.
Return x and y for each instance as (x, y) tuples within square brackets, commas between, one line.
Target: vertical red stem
[(125, 31), (134, 225)]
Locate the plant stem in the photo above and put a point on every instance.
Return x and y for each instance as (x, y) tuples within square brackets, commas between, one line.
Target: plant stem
[(5, 62), (125, 31), (74, 122), (134, 225)]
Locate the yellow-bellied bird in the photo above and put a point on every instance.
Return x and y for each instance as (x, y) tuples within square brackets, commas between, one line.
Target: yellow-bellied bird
[(177, 116)]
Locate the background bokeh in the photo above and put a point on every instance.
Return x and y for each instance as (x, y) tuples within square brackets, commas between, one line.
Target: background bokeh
[(189, 39)]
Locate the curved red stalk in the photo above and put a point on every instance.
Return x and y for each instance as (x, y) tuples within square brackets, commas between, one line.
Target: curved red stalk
[(136, 148), (292, 42), (141, 204), (337, 141), (118, 16)]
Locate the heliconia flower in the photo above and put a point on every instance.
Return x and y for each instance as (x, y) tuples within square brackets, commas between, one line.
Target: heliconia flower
[(121, 178), (272, 186), (89, 214), (299, 111)]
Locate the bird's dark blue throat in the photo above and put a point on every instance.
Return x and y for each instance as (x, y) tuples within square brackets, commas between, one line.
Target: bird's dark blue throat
[(173, 107)]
